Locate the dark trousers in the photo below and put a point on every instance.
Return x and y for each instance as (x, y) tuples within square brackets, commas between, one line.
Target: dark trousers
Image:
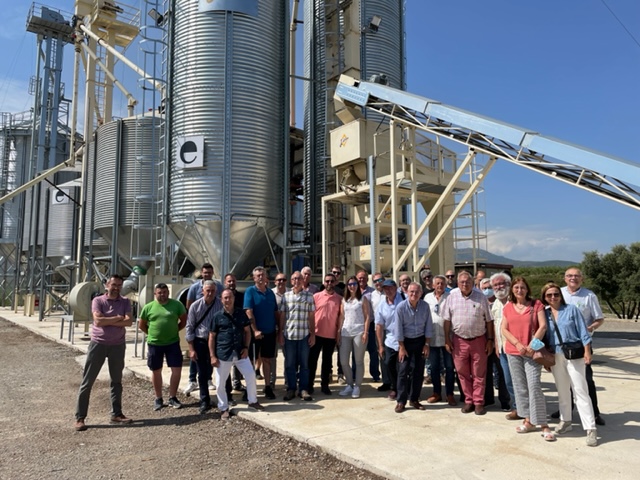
[(386, 379), (372, 348), (441, 359), (326, 346), (204, 368), (411, 371), (391, 364), (503, 393), (96, 355)]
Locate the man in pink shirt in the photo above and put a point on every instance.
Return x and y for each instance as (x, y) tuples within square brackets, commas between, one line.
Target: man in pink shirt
[(469, 337), (327, 315), (111, 314)]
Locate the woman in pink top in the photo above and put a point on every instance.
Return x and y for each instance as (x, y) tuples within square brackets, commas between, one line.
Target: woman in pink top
[(523, 319)]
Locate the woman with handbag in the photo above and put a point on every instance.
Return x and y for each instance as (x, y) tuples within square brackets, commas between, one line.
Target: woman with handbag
[(568, 336), (523, 321)]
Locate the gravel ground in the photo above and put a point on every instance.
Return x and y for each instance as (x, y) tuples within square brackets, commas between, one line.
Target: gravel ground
[(41, 380)]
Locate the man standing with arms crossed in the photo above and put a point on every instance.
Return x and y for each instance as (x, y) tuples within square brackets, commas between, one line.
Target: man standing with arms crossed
[(583, 298), (111, 314), (161, 320), (262, 310)]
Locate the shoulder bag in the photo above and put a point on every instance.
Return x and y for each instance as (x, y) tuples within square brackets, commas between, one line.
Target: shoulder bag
[(544, 356), (571, 350)]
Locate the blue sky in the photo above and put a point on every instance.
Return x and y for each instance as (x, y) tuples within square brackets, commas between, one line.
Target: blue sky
[(566, 69)]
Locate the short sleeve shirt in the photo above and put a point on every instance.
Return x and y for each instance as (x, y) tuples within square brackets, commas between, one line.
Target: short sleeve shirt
[(587, 303), (162, 321), (468, 314), (264, 308), (327, 313), (110, 334), (297, 307), (229, 330)]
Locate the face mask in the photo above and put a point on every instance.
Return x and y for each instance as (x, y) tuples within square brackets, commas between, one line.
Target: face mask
[(502, 293), (488, 292)]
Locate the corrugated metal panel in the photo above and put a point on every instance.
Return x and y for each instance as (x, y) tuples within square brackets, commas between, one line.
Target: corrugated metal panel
[(228, 85)]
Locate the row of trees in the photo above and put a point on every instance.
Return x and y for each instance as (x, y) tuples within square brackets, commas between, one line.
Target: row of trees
[(614, 277)]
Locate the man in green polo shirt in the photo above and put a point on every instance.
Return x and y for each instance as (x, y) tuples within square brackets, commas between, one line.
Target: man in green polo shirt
[(161, 320)]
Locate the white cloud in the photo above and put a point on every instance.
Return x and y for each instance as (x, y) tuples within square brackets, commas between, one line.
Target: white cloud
[(538, 243)]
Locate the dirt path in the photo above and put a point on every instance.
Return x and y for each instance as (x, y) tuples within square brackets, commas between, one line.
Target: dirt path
[(40, 380)]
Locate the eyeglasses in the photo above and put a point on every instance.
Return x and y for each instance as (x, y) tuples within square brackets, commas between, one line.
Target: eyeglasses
[(296, 278), (572, 276), (352, 284), (378, 280), (450, 276), (551, 295), (281, 279)]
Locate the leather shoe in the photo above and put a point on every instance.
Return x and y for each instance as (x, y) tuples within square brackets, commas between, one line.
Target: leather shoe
[(451, 400), (468, 408), (326, 390), (555, 414), (417, 405), (435, 398), (399, 407), (600, 421), (120, 419), (513, 415), (80, 425), (385, 387), (480, 410)]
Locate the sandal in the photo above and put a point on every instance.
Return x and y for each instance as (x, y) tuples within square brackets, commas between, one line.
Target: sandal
[(548, 436), (525, 428)]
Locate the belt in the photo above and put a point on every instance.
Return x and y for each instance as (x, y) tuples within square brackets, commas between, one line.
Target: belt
[(468, 339)]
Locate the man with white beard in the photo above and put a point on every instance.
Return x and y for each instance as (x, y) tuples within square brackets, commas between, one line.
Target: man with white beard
[(501, 284)]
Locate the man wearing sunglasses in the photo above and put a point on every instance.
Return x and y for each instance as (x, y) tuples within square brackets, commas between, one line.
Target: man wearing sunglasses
[(327, 319)]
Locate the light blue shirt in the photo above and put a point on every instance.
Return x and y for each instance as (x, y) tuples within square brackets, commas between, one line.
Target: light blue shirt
[(571, 324), (386, 316), (413, 322)]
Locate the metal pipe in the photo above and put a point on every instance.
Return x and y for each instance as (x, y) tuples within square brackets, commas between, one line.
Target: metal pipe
[(37, 179), (132, 101), (373, 216), (293, 27), (72, 149), (157, 85), (43, 258), (286, 208)]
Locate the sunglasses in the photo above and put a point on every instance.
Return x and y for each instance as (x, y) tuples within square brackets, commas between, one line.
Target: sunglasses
[(352, 284), (379, 280), (281, 279), (551, 295), (450, 276), (335, 272), (329, 281)]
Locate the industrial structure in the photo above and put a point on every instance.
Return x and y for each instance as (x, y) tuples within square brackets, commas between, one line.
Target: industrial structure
[(207, 164)]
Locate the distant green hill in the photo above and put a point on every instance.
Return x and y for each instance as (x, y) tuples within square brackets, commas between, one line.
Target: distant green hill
[(466, 255)]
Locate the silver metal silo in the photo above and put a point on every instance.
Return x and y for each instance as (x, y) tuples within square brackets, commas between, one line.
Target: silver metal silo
[(126, 186), (228, 89), (99, 246)]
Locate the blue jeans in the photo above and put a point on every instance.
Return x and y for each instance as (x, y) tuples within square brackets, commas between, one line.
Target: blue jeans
[(296, 363), (439, 357), (504, 363)]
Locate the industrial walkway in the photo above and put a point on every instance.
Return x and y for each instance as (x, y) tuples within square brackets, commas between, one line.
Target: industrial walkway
[(441, 442)]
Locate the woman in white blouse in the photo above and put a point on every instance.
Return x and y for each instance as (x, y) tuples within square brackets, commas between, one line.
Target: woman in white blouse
[(353, 333)]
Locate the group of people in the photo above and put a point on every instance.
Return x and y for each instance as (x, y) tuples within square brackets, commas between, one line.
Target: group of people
[(461, 328)]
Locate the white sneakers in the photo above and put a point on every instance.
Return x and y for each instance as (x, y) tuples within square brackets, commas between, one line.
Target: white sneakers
[(346, 391), (211, 385), (564, 427), (349, 390), (191, 386), (592, 438)]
